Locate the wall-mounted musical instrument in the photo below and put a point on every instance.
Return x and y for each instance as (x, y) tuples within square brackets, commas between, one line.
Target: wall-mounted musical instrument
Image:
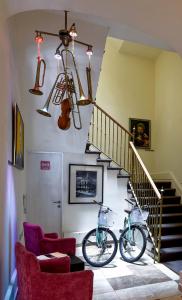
[(64, 119), (64, 88), (36, 89)]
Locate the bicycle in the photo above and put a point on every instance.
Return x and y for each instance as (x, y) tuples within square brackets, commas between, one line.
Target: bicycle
[(99, 246)]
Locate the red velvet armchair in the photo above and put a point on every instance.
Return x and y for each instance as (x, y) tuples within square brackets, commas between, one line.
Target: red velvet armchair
[(34, 283), (38, 242)]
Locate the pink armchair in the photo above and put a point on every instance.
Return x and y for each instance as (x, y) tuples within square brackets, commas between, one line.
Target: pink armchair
[(38, 242), (33, 284)]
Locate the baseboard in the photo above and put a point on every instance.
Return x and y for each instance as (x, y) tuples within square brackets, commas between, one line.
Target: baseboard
[(161, 176), (176, 184), (12, 288)]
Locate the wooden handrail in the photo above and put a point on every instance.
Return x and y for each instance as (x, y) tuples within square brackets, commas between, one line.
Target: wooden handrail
[(146, 171), (111, 118)]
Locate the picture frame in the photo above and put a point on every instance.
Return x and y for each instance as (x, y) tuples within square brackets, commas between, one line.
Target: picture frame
[(86, 183), (142, 132), (18, 138)]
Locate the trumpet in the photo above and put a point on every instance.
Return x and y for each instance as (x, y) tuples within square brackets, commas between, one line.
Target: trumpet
[(36, 89), (44, 111)]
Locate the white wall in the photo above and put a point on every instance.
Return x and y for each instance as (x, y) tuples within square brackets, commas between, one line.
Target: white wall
[(82, 218), (12, 183), (17, 75), (25, 52)]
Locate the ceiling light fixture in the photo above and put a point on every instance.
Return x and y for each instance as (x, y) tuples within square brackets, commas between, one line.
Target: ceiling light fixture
[(67, 85)]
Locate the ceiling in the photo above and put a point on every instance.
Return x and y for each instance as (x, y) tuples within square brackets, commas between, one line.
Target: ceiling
[(153, 22)]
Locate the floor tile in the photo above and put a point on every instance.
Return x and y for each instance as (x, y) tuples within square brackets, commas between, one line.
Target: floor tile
[(164, 289), (102, 286), (150, 292), (98, 275), (137, 280), (106, 296), (172, 298), (135, 293), (167, 271), (117, 271)]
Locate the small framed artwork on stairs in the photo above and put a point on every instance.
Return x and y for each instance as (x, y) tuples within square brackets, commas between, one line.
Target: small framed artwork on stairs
[(141, 129), (85, 184)]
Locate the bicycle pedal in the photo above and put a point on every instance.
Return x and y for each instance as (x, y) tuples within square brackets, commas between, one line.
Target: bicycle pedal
[(109, 246)]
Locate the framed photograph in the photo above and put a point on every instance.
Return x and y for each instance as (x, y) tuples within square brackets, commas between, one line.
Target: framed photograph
[(18, 139), (85, 184), (142, 129)]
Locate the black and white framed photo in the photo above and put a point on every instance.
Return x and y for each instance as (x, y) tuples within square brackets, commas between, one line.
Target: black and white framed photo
[(85, 184)]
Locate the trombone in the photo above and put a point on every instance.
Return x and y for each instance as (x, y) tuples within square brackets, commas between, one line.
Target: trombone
[(82, 100), (36, 89)]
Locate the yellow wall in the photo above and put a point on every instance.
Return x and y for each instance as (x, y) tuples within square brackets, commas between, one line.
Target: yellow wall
[(132, 86), (126, 88), (168, 114)]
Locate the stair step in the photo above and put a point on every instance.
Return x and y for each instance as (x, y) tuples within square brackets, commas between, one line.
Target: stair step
[(104, 160), (148, 192), (169, 192), (93, 152), (169, 241), (164, 184), (166, 199), (169, 218), (88, 146), (171, 228), (172, 253), (115, 168), (123, 176), (169, 208)]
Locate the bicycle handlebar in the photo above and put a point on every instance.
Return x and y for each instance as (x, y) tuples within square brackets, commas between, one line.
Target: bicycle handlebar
[(130, 202), (100, 204)]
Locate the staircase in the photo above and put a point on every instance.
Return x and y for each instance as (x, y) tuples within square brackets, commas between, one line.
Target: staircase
[(171, 227), (113, 145)]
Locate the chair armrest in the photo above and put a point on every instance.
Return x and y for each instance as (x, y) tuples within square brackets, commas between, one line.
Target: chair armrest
[(51, 235), (74, 286), (65, 245), (55, 265)]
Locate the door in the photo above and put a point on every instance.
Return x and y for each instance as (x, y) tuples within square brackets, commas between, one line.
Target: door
[(44, 190)]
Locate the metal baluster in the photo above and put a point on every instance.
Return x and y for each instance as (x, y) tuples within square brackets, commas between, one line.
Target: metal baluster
[(120, 149), (105, 136), (113, 141), (125, 149), (93, 126), (101, 133), (117, 145), (109, 137), (97, 143)]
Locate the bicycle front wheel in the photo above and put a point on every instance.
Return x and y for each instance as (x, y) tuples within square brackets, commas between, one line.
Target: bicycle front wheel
[(132, 243), (99, 247)]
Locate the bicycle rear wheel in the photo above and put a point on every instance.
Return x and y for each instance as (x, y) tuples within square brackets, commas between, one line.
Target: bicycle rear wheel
[(99, 247), (132, 243)]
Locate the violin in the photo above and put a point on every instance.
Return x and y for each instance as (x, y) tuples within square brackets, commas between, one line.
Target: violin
[(64, 119)]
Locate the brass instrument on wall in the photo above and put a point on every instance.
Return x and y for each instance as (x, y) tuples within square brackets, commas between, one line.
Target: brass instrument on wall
[(89, 100), (36, 89)]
